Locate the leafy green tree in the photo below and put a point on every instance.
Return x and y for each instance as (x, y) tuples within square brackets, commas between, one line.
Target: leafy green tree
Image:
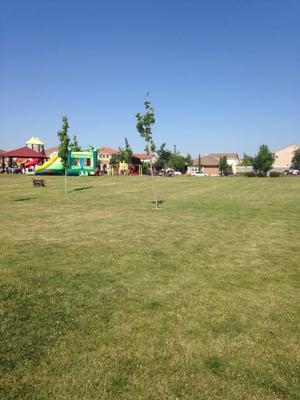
[(199, 163), (115, 159), (125, 153), (164, 156), (144, 123), (64, 146), (296, 160), (247, 160), (263, 161), (188, 160), (178, 162), (223, 165)]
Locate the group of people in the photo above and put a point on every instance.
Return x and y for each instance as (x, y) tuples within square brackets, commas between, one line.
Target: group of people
[(19, 169)]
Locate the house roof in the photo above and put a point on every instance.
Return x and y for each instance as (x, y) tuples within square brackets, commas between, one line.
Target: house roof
[(207, 161), (142, 156), (294, 146), (51, 150), (23, 152), (228, 155), (108, 150)]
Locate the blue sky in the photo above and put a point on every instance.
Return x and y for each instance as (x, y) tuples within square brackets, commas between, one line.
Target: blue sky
[(223, 75)]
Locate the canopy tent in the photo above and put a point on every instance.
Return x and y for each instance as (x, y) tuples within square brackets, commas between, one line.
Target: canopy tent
[(34, 141), (22, 152)]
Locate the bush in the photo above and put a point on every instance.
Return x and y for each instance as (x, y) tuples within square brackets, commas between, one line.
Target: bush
[(261, 174), (251, 174), (275, 174)]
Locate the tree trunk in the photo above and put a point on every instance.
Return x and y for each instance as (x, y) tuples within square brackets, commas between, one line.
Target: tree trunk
[(153, 186), (66, 189)]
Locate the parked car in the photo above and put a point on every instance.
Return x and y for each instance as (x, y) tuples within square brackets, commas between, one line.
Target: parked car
[(167, 172), (199, 174), (294, 171), (291, 172)]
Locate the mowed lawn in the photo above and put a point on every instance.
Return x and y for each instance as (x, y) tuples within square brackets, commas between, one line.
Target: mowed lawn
[(103, 297)]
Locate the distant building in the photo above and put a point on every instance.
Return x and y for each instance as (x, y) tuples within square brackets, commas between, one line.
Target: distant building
[(232, 159), (52, 150), (105, 154), (210, 163), (284, 156), (145, 158)]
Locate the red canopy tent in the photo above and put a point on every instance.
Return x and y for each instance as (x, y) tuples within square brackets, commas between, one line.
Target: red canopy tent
[(22, 152)]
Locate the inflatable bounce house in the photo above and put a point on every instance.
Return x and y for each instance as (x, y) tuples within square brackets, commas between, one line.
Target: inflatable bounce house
[(80, 163)]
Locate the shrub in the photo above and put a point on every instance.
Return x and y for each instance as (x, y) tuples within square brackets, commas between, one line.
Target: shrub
[(275, 174), (251, 174), (261, 174)]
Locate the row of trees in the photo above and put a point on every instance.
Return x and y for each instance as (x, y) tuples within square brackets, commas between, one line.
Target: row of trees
[(166, 158), (263, 161)]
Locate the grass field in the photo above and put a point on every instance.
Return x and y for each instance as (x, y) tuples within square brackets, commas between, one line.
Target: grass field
[(103, 297)]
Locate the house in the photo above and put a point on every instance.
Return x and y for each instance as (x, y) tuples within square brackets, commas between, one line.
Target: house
[(210, 163), (232, 159), (52, 150), (145, 158), (105, 154), (284, 156)]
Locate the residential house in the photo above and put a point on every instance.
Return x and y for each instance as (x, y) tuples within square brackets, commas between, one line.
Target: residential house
[(284, 156), (105, 154), (232, 159), (145, 158), (210, 163), (52, 150)]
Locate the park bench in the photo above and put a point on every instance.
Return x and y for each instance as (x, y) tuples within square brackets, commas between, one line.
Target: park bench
[(38, 182)]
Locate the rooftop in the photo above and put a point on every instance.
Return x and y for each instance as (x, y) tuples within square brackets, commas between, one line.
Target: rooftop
[(35, 141), (207, 160), (23, 152), (107, 150), (228, 155)]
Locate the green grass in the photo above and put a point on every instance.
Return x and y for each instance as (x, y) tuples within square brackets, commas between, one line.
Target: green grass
[(103, 297)]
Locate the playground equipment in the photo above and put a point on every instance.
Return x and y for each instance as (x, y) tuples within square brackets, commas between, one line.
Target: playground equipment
[(80, 163)]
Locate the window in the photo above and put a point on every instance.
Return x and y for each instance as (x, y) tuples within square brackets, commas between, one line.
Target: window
[(87, 162), (75, 161)]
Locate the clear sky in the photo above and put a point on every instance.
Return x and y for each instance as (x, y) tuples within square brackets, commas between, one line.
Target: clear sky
[(223, 75)]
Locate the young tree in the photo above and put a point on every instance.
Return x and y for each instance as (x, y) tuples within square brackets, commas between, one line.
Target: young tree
[(64, 146), (247, 160), (188, 160), (178, 162), (164, 156), (296, 160), (144, 124), (223, 165), (199, 163), (263, 161), (125, 153)]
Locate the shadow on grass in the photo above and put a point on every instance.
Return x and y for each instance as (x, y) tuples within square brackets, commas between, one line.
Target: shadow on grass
[(82, 188), (25, 199), (159, 202)]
